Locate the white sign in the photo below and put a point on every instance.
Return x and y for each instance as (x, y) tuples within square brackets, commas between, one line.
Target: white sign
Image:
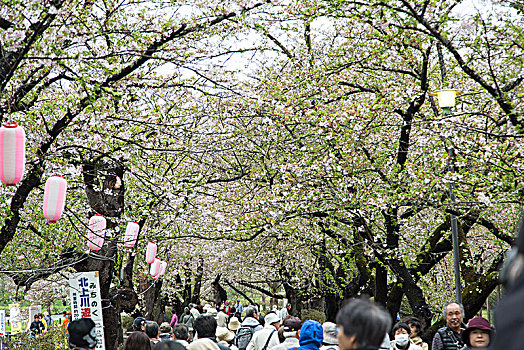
[(16, 318), (2, 323), (84, 290), (33, 310)]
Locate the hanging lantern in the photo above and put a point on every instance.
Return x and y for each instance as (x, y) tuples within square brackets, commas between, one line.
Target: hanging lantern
[(446, 97), (12, 153), (54, 197), (151, 252), (163, 266), (131, 234), (96, 233), (155, 268)]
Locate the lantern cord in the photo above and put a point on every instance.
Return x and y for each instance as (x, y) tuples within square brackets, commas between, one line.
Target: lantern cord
[(151, 286), (47, 269), (100, 257)]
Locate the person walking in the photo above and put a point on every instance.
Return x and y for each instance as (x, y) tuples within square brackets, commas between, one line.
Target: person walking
[(415, 325), (82, 334), (291, 334), (138, 340), (174, 318), (401, 333), (449, 337), (478, 335), (311, 335), (268, 336), (361, 325), (330, 341)]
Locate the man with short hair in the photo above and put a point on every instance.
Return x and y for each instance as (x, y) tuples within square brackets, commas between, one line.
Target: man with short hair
[(291, 334), (181, 334), (152, 331), (268, 336), (205, 327), (37, 326), (362, 325), (82, 334), (449, 337)]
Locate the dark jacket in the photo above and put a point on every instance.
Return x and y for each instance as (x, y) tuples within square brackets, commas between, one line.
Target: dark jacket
[(311, 335), (446, 339), (37, 327)]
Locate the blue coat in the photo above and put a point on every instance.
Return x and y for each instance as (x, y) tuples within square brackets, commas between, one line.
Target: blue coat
[(311, 336)]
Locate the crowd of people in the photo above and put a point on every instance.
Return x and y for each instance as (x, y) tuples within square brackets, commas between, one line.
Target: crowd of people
[(360, 325)]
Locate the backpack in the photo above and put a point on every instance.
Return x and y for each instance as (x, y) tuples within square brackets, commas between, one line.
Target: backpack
[(243, 337)]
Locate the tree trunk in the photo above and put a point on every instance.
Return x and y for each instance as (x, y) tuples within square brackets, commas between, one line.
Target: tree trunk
[(153, 303), (381, 284)]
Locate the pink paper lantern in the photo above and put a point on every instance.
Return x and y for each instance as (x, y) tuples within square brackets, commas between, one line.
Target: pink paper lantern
[(54, 197), (151, 252), (163, 266), (96, 233), (131, 234), (12, 153), (155, 268)]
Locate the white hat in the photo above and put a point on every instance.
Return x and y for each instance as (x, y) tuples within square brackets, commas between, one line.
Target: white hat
[(212, 312), (223, 333), (234, 323), (271, 318), (330, 333)]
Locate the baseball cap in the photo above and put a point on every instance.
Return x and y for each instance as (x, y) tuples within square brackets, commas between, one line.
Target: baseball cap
[(82, 333)]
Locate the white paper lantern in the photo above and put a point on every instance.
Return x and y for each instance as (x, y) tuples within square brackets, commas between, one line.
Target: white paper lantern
[(155, 267), (151, 252), (96, 233), (12, 153), (54, 197), (131, 234), (163, 266)]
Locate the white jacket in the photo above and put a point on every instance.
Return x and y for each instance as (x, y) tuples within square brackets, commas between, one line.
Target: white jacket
[(260, 338)]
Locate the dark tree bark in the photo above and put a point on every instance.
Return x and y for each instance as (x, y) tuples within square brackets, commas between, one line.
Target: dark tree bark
[(220, 294), (381, 284), (153, 302)]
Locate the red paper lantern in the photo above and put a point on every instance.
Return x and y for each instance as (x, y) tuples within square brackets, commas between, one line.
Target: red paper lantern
[(12, 153), (54, 197), (131, 234), (96, 233), (151, 252)]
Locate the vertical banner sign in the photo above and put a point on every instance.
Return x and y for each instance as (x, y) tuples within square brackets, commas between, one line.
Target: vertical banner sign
[(84, 289), (2, 323), (15, 318)]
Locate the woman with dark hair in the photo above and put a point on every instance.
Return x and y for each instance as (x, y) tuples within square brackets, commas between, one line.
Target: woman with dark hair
[(137, 341), (478, 335), (416, 327), (401, 333)]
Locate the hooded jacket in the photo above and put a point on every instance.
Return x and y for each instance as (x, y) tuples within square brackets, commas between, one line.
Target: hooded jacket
[(311, 335)]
